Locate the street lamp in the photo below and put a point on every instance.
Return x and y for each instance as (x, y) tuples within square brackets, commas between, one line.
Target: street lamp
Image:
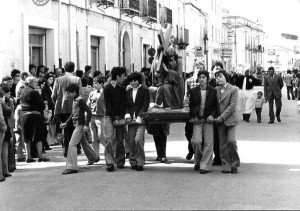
[(205, 39)]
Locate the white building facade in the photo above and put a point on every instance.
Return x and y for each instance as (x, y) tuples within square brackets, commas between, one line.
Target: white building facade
[(100, 33)]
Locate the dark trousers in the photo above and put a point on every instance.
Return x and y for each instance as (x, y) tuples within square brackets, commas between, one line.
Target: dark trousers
[(258, 114), (290, 91), (68, 131), (217, 158), (12, 152), (160, 140), (296, 94), (189, 134), (278, 105)]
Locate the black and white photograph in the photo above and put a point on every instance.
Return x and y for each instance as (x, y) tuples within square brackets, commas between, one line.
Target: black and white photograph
[(150, 105)]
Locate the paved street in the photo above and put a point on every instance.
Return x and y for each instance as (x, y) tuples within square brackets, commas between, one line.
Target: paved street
[(269, 176)]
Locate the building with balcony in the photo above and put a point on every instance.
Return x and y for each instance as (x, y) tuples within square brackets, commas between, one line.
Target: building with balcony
[(100, 33), (243, 44)]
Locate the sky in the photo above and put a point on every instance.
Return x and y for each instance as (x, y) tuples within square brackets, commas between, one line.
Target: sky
[(276, 16)]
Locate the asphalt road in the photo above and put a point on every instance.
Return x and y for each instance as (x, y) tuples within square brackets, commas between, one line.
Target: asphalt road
[(269, 176)]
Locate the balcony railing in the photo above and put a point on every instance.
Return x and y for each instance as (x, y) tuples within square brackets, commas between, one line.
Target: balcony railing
[(181, 37), (105, 3), (165, 16), (130, 7), (149, 10)]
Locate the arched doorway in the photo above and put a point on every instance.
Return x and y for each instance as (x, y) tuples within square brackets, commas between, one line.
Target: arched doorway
[(126, 52)]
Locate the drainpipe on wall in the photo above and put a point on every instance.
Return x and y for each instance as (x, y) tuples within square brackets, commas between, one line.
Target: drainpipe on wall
[(131, 42), (58, 32), (184, 50)]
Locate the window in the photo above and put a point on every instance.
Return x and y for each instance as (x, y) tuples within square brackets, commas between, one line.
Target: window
[(145, 55), (95, 42), (37, 46)]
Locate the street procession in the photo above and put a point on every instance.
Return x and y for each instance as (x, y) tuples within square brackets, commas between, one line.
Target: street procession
[(149, 105)]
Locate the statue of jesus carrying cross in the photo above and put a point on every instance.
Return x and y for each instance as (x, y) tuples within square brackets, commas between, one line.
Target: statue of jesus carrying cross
[(168, 70)]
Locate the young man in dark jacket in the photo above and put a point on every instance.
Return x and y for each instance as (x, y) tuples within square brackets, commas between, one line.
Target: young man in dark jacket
[(138, 98), (115, 99)]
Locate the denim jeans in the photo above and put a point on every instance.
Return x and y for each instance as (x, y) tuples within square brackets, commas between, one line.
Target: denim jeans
[(114, 137), (203, 156), (77, 137), (98, 133), (136, 151)]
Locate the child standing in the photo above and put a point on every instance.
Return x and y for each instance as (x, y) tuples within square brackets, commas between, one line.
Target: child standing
[(97, 105), (258, 105), (80, 122)]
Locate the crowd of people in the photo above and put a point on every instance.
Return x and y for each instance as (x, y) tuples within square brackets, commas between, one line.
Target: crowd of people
[(39, 108)]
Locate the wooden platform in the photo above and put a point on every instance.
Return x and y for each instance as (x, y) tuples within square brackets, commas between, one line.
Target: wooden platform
[(162, 116)]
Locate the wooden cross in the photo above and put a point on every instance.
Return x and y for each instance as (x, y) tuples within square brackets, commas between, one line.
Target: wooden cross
[(165, 42)]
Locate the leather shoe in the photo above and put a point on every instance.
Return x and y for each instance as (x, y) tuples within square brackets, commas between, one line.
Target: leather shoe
[(110, 168), (164, 160), (30, 160), (43, 159), (234, 170), (189, 156), (217, 163), (7, 175), (202, 171), (120, 166), (70, 171), (158, 159), (133, 167), (2, 180), (271, 122), (278, 119), (196, 167), (92, 162), (21, 159), (139, 168), (226, 172)]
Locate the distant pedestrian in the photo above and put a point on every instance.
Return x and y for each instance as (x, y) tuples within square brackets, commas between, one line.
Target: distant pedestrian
[(297, 86), (259, 101), (81, 123), (87, 74), (272, 89), (246, 98), (288, 79)]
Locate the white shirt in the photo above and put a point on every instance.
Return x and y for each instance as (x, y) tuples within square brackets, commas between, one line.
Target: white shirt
[(134, 91), (223, 89)]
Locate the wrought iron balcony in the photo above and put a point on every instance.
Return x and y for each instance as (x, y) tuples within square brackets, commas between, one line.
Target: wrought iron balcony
[(105, 3), (130, 7), (149, 10), (182, 38), (165, 16)]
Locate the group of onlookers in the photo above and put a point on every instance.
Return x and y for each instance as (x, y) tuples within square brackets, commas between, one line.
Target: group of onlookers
[(292, 81)]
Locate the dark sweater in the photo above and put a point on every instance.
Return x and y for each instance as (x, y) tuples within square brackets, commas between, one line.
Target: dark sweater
[(115, 99), (31, 100)]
